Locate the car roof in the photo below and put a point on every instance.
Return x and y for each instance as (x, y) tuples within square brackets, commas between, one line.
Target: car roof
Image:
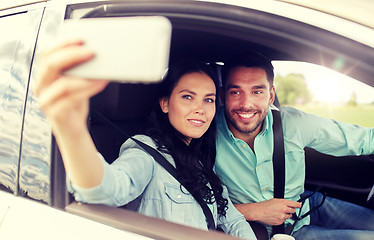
[(359, 11), (351, 20), (16, 3), (282, 29)]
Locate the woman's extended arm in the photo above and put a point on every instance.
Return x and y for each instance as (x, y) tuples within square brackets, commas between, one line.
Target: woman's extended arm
[(65, 102)]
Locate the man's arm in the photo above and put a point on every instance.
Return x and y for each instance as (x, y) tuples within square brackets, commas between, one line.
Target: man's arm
[(271, 212), (326, 135)]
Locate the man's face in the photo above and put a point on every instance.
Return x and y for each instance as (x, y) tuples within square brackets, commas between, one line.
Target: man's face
[(247, 97)]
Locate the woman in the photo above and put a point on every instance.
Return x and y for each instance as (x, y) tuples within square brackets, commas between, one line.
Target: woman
[(183, 132)]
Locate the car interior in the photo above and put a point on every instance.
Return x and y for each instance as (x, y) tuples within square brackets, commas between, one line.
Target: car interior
[(216, 34)]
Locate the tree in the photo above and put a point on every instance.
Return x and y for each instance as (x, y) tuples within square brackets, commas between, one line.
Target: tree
[(292, 89), (353, 100)]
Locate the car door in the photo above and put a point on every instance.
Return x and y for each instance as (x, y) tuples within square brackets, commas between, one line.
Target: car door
[(19, 29)]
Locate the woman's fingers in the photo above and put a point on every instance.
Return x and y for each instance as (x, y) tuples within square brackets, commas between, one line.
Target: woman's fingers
[(64, 99), (71, 90), (67, 43), (54, 62), (68, 108)]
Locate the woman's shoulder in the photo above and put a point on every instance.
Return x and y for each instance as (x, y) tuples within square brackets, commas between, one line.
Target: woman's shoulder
[(144, 138), (130, 143)]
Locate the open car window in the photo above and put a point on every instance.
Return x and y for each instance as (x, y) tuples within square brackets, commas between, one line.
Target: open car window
[(322, 91)]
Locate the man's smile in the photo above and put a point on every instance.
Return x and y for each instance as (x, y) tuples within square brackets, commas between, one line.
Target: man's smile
[(246, 115)]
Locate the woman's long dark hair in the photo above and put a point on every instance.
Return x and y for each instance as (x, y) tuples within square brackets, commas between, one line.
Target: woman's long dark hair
[(194, 162)]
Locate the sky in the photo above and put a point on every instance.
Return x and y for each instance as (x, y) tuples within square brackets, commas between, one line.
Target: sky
[(325, 84)]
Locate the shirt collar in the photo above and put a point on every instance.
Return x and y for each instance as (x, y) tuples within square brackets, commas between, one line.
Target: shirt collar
[(268, 121), (222, 124)]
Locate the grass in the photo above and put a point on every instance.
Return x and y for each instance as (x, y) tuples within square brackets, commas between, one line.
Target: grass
[(362, 115)]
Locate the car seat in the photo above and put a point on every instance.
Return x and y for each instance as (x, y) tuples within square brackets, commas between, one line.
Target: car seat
[(127, 106)]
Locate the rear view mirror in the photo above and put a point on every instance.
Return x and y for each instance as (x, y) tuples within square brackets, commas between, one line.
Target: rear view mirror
[(127, 49)]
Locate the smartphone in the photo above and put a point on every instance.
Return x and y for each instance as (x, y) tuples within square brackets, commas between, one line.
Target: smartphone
[(127, 49)]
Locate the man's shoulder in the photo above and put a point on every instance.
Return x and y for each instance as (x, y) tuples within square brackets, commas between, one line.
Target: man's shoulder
[(288, 109), (291, 112), (295, 120)]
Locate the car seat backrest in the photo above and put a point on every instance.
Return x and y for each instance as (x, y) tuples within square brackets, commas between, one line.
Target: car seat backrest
[(120, 102), (127, 106)]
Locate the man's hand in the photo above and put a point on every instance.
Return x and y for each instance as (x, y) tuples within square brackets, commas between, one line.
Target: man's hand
[(272, 212)]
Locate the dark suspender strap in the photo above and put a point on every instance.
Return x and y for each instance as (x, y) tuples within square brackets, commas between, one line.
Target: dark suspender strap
[(164, 163), (278, 162)]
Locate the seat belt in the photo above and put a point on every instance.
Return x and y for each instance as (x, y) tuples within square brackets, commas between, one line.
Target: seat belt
[(278, 163), (164, 163)]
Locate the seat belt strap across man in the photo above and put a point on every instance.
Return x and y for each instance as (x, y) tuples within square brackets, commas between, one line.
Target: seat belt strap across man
[(278, 162)]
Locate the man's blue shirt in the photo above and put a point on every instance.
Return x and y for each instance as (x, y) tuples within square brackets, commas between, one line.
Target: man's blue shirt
[(248, 174)]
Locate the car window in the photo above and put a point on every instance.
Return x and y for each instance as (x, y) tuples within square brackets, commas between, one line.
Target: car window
[(324, 92)]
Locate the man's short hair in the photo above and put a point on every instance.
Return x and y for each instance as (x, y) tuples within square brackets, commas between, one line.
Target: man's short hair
[(248, 59)]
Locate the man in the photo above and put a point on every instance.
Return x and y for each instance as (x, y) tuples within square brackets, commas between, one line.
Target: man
[(245, 151)]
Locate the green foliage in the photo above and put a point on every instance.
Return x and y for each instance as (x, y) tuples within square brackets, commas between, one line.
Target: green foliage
[(292, 89), (362, 114), (353, 100)]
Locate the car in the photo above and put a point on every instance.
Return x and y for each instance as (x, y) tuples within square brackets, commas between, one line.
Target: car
[(34, 201)]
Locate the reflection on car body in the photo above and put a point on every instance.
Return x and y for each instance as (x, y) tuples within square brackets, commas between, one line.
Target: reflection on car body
[(35, 169), (11, 114)]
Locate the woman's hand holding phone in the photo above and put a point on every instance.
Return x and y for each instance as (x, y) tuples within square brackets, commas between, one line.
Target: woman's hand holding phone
[(65, 102), (65, 99)]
